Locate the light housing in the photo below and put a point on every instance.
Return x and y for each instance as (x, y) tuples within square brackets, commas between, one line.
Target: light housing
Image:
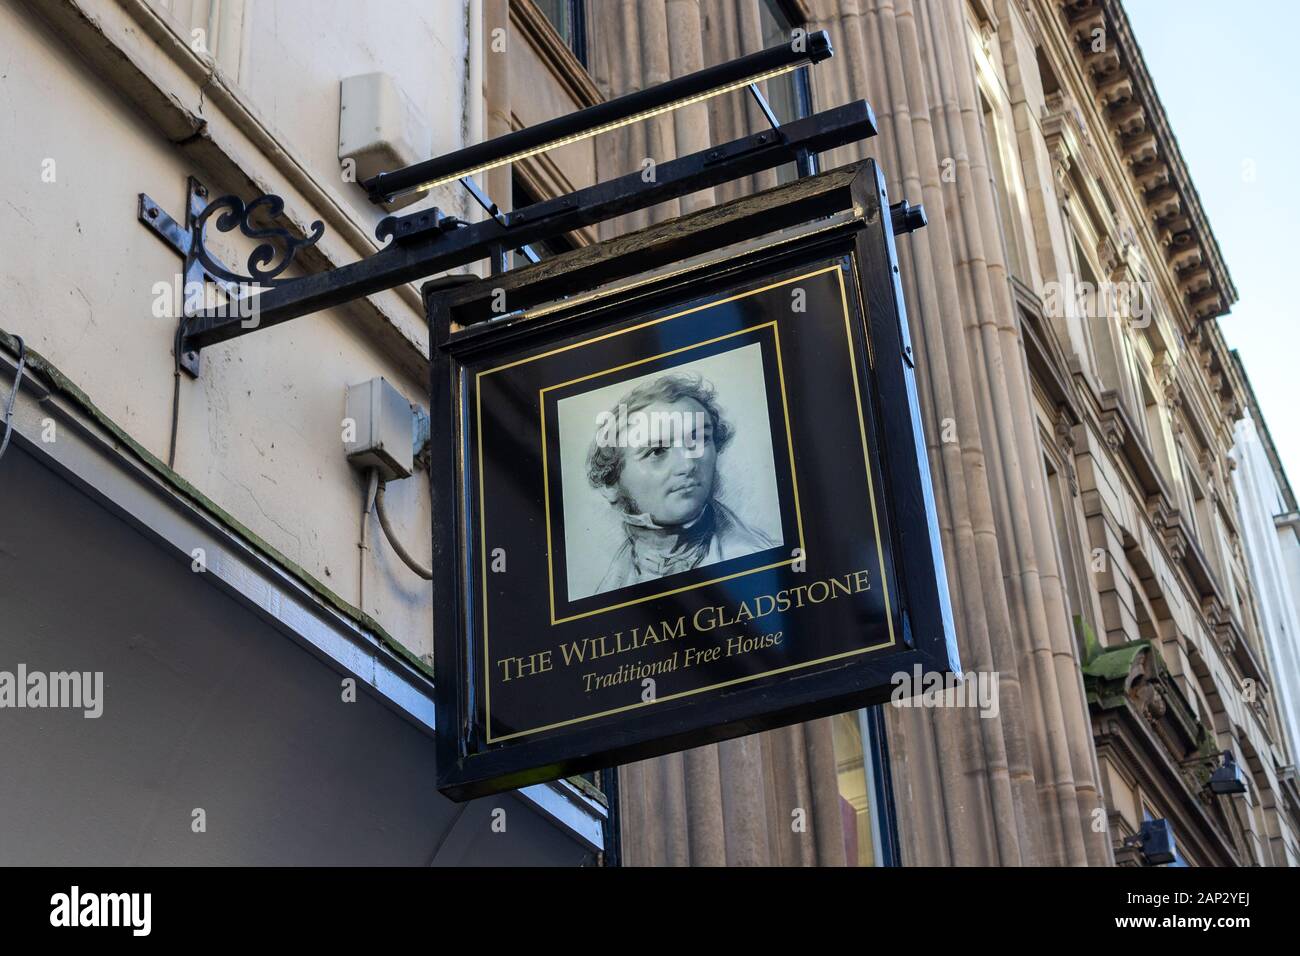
[(1228, 778), (633, 107), (1156, 840)]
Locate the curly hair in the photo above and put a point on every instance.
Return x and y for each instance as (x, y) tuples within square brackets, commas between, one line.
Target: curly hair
[(605, 460)]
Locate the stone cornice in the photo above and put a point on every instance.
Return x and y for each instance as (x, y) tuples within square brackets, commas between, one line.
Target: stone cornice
[(1127, 100)]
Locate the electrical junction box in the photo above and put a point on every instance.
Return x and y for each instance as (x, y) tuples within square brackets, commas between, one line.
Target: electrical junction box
[(380, 129), (380, 421)]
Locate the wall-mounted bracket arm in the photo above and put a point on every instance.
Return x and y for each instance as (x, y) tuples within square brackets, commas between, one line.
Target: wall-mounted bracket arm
[(426, 243)]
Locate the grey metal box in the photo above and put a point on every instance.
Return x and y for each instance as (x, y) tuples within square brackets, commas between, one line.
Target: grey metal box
[(383, 434)]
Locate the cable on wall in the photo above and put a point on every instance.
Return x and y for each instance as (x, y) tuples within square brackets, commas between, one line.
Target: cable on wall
[(176, 400), (372, 488), (410, 562), (13, 397)]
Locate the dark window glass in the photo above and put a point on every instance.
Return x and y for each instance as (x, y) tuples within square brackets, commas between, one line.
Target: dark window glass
[(569, 17), (789, 95)]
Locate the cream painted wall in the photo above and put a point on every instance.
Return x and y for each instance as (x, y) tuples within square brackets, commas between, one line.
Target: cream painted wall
[(260, 429), (300, 49)]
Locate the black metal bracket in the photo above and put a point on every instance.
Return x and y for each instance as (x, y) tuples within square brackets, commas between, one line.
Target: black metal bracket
[(905, 218), (805, 162), (765, 106), (180, 238), (499, 256), (200, 265), (282, 243), (808, 48), (428, 243)]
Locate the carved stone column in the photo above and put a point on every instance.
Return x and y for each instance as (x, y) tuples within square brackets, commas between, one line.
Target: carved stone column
[(1018, 788)]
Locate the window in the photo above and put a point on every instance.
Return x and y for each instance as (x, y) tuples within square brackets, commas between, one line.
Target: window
[(1001, 193), (861, 765), (1159, 434), (1101, 355), (1070, 548), (569, 17), (790, 95)]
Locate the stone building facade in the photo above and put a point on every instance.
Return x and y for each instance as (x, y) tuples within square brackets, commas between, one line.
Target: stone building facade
[(1079, 403)]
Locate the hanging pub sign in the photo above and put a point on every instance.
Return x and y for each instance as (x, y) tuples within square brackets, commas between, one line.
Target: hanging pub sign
[(686, 496)]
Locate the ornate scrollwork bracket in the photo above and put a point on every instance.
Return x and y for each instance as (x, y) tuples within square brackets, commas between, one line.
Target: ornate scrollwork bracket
[(188, 239), (231, 212)]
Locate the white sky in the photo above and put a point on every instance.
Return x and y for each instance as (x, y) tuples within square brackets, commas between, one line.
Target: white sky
[(1229, 77)]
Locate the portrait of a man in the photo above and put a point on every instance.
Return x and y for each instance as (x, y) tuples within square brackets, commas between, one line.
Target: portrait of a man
[(655, 460)]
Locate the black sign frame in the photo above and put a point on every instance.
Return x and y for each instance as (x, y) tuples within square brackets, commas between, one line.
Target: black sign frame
[(839, 216)]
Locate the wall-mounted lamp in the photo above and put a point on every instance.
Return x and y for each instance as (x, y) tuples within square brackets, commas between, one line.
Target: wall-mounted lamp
[(1228, 777), (631, 108), (1155, 842)]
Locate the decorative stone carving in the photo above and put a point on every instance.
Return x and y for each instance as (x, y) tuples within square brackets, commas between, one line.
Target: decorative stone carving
[(1173, 533), (1149, 700), (1159, 511), (1134, 676), (1213, 610), (1225, 635), (1112, 429), (1163, 203), (1186, 257), (1135, 120), (1107, 254)]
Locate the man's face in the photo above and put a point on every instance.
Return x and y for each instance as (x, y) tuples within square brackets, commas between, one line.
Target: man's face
[(670, 475)]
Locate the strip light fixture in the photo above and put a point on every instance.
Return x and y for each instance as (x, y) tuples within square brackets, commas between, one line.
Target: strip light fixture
[(803, 48)]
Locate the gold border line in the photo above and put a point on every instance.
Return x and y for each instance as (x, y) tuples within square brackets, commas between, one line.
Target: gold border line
[(789, 439), (687, 693), (482, 527), (870, 492), (862, 430)]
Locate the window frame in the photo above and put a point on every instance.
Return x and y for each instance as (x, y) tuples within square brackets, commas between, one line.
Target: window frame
[(576, 40)]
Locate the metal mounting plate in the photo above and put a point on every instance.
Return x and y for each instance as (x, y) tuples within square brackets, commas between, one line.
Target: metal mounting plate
[(180, 238)]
